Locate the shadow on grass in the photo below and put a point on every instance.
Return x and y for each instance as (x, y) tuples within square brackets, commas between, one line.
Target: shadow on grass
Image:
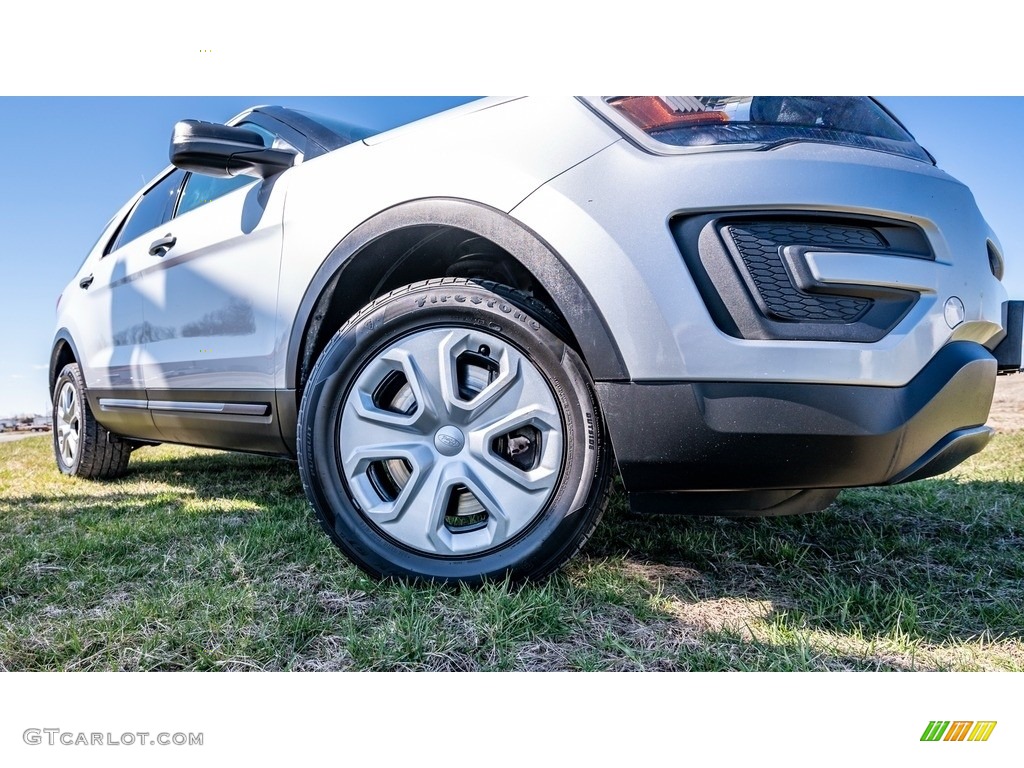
[(937, 560), (210, 560), (215, 473)]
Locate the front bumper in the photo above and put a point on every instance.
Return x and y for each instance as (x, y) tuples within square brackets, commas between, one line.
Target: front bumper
[(614, 220), (738, 436)]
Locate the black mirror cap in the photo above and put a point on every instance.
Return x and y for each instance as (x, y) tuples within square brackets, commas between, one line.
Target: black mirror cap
[(224, 151)]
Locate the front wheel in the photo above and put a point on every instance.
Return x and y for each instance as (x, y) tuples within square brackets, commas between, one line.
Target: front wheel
[(447, 434)]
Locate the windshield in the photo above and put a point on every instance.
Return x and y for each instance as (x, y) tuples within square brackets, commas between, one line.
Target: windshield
[(347, 131)]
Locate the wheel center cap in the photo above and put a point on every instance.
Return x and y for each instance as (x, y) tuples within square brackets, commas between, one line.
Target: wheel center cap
[(449, 440)]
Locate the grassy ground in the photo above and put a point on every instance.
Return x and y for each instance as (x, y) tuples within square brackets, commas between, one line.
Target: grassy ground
[(203, 560)]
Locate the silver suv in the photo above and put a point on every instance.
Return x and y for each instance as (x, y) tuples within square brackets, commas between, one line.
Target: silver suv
[(463, 326)]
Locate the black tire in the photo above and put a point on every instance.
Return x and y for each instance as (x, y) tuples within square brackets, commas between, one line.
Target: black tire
[(518, 540), (81, 446)]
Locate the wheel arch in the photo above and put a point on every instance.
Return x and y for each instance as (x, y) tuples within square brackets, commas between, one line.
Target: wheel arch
[(62, 352), (364, 265)]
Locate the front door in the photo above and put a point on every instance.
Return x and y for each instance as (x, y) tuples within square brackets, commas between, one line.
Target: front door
[(211, 300)]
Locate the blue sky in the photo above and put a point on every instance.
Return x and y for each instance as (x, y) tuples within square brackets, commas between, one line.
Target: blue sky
[(70, 163)]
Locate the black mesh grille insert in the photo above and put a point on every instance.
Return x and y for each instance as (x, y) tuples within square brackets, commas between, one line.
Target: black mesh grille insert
[(758, 244)]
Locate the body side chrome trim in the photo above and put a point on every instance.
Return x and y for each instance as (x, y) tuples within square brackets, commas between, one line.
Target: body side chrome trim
[(107, 403), (226, 409)]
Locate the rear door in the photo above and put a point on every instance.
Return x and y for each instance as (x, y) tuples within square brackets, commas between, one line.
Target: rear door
[(112, 351)]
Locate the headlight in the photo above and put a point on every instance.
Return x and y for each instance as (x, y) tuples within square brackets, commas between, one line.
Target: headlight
[(761, 122)]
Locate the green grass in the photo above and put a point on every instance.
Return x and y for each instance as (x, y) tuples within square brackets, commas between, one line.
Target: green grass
[(202, 560)]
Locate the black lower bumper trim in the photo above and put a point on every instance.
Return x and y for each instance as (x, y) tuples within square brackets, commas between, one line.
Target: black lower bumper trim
[(732, 503), (727, 436), (950, 451)]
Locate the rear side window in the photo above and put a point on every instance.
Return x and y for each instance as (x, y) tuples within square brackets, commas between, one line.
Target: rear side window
[(154, 209)]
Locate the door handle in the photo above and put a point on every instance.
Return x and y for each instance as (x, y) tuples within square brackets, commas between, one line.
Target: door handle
[(85, 282), (163, 245)]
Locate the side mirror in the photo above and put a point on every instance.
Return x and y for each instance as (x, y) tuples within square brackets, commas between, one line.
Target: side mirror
[(224, 151)]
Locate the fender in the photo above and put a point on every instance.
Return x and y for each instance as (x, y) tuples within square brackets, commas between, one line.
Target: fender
[(585, 320)]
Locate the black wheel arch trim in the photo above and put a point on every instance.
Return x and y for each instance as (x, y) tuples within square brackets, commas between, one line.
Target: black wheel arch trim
[(62, 336), (597, 345)]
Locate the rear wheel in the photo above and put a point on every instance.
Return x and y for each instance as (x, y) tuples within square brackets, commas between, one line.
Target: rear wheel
[(82, 447), (447, 434)]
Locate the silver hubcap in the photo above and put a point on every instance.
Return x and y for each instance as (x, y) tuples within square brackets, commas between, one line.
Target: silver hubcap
[(69, 423), (451, 441)]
